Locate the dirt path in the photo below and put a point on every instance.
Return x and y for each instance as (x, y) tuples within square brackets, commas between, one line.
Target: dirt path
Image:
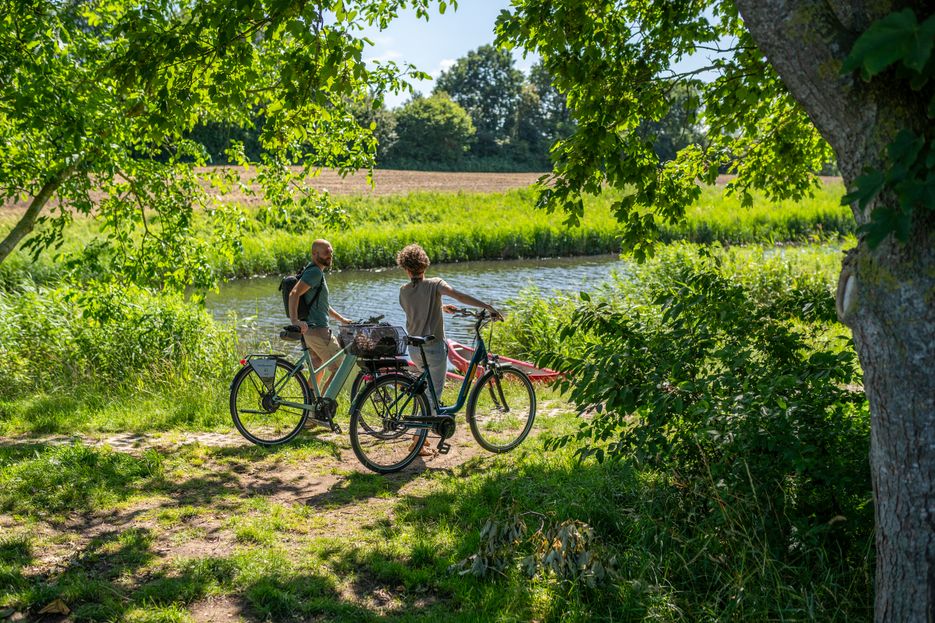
[(203, 509)]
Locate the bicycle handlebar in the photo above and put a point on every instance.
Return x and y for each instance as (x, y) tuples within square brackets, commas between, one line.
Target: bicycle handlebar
[(483, 314)]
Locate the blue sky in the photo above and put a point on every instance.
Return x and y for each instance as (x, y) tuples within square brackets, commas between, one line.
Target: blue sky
[(434, 45)]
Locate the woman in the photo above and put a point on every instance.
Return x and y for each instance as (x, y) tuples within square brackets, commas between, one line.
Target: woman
[(421, 300)]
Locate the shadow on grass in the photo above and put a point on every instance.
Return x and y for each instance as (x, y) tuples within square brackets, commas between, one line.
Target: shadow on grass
[(304, 442), (396, 566), (358, 486), (44, 414)]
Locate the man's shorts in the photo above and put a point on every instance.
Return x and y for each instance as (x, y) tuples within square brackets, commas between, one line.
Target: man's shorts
[(322, 343)]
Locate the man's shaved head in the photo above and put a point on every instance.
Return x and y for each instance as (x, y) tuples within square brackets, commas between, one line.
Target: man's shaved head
[(322, 253)]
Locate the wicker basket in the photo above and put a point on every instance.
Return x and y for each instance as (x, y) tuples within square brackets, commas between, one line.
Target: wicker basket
[(373, 341)]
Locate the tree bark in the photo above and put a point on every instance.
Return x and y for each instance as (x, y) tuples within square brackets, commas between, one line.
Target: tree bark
[(886, 295), (28, 220)]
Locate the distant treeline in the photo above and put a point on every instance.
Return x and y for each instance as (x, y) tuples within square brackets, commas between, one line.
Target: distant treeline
[(483, 115)]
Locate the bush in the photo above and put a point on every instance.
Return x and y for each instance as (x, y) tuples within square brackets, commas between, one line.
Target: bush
[(736, 380), (106, 336), (433, 130)]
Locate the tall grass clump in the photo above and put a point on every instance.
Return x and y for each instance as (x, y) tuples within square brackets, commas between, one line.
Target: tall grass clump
[(731, 383), (106, 338)]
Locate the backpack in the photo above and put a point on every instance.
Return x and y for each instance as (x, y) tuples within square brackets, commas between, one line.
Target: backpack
[(288, 283)]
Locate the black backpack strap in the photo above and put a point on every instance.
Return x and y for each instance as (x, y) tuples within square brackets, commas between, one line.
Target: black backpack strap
[(321, 283)]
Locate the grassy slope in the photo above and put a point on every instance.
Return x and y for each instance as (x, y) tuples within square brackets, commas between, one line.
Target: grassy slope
[(468, 226)]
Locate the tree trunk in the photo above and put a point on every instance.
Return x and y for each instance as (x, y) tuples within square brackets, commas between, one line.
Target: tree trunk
[(887, 299), (28, 220), (885, 295)]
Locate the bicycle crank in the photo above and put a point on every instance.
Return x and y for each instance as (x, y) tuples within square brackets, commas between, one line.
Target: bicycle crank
[(444, 427), (325, 410)]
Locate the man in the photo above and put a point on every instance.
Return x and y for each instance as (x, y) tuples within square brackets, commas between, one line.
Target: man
[(421, 299), (312, 285)]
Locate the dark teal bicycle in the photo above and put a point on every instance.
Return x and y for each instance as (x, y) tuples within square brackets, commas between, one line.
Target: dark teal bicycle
[(392, 416)]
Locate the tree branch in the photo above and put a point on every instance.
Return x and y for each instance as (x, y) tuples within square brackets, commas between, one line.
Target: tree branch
[(806, 43), (28, 220)]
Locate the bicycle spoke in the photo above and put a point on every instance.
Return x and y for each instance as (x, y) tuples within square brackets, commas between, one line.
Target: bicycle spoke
[(381, 437), (501, 410), (257, 411)]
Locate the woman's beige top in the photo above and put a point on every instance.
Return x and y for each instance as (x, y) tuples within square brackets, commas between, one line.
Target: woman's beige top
[(422, 302)]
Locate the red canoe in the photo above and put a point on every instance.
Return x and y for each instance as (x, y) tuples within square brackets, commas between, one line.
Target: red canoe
[(460, 357)]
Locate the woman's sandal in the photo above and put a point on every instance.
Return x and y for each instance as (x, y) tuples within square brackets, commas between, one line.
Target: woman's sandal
[(425, 450)]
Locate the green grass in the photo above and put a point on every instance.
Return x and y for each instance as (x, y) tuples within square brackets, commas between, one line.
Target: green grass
[(362, 555), (471, 226)]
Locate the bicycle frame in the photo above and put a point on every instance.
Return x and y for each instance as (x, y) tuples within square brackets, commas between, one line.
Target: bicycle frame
[(334, 387), (480, 355)]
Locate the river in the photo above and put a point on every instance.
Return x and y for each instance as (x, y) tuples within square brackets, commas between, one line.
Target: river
[(256, 305)]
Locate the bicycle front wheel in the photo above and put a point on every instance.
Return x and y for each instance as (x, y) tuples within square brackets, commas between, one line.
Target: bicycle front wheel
[(382, 439), (501, 409), (257, 411)]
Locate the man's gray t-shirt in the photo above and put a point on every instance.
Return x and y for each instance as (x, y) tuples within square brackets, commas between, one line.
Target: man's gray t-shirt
[(422, 302), (317, 313)]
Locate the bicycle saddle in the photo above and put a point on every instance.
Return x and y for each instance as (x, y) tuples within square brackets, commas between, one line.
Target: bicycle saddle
[(416, 340)]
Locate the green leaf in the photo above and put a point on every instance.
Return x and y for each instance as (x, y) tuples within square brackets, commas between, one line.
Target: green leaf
[(868, 186), (888, 40)]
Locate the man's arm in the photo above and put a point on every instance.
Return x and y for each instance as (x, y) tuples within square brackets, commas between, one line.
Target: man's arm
[(300, 288), (467, 299), (334, 314)]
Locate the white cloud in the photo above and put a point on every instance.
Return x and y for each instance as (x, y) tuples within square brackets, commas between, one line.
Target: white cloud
[(443, 65)]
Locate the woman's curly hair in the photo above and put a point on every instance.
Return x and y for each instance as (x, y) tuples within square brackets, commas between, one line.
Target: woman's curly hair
[(413, 258)]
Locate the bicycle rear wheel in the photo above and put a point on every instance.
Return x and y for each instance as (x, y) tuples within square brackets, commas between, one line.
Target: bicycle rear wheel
[(363, 377), (255, 408), (501, 409), (382, 439)]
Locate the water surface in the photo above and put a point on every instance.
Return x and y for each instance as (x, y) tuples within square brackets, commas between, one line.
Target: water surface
[(257, 305)]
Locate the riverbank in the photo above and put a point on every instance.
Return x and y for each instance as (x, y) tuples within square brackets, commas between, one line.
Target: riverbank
[(463, 226)]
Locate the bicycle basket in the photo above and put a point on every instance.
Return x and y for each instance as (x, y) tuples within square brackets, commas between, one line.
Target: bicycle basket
[(373, 341)]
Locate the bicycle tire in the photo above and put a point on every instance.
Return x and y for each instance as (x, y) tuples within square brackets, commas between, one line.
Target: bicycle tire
[(501, 427), (261, 422), (381, 439)]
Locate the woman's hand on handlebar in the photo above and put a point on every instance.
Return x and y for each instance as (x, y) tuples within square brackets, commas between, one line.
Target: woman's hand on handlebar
[(488, 312)]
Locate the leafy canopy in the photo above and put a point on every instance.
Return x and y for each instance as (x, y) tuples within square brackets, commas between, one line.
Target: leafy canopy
[(487, 85), (433, 129), (613, 61), (98, 99)]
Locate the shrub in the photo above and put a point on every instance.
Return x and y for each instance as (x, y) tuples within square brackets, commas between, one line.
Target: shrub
[(106, 336), (731, 376), (432, 129)]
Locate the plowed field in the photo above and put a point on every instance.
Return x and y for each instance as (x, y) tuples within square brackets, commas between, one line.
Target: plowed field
[(387, 182)]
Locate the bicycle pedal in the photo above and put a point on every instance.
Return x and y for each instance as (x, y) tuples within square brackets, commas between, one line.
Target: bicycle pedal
[(335, 428), (443, 447)]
